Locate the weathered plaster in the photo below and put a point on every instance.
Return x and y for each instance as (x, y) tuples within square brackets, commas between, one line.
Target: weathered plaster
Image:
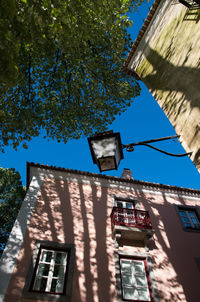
[(16, 238), (168, 62), (75, 209)]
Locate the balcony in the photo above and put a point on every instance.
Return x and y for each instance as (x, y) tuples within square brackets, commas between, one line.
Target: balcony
[(191, 4), (131, 224)]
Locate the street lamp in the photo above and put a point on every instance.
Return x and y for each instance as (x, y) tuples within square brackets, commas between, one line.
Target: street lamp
[(107, 150)]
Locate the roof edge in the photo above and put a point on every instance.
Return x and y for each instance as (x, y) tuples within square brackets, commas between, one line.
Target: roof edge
[(107, 177), (139, 38)]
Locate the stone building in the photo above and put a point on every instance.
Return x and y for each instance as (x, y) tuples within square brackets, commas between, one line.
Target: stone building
[(166, 57)]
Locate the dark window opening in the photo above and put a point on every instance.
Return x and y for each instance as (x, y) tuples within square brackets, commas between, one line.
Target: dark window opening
[(189, 217)]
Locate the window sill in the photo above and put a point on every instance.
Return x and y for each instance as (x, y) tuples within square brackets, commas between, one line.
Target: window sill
[(191, 230), (48, 297)]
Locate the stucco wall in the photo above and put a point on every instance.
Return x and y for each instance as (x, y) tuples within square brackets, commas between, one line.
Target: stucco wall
[(168, 62), (79, 214), (76, 212)]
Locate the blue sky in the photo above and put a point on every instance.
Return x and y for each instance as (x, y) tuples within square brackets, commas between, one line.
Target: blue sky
[(143, 120)]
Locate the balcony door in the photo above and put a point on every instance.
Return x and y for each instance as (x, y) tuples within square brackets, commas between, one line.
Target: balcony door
[(125, 214), (125, 204)]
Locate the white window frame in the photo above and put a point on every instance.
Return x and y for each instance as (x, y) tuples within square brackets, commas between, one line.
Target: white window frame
[(52, 264), (29, 293), (124, 204), (132, 277)]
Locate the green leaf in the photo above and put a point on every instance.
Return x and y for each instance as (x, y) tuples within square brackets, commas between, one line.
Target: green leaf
[(12, 194), (62, 62)]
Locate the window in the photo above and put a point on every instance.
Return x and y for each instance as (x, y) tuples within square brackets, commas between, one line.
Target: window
[(134, 280), (189, 218), (50, 275), (50, 271), (187, 3), (124, 204), (190, 3), (125, 216), (198, 263)]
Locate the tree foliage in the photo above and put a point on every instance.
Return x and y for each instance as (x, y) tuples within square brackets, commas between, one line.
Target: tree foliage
[(60, 67), (12, 194)]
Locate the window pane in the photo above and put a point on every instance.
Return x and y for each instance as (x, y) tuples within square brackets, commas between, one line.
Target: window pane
[(126, 266), (192, 214), (129, 205), (119, 204), (195, 220), (143, 294), (53, 285), (187, 225), (59, 271), (182, 213), (185, 219), (40, 284), (141, 281), (60, 285), (61, 258), (127, 280), (43, 270), (130, 293), (57, 285), (139, 266), (46, 256)]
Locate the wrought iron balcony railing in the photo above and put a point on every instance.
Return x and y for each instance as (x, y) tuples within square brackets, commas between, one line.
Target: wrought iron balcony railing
[(130, 218), (191, 4)]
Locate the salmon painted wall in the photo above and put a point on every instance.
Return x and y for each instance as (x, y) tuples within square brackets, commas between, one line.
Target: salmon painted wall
[(173, 250), (79, 214), (76, 212)]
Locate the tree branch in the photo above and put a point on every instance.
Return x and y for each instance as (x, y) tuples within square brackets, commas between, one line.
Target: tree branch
[(68, 77), (55, 67), (29, 77)]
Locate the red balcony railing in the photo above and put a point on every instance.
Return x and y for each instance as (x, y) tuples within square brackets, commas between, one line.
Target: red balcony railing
[(130, 218)]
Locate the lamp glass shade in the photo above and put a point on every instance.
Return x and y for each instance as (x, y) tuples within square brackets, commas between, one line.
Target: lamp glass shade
[(106, 163), (106, 151), (104, 147)]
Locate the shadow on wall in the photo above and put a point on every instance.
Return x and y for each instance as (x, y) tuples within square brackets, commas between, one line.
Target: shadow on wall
[(173, 64), (170, 78), (178, 88), (80, 214), (176, 254), (72, 213)]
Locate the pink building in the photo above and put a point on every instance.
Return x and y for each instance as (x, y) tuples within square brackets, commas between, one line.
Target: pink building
[(84, 237)]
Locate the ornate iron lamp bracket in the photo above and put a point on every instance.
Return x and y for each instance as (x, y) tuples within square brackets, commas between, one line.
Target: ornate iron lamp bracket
[(130, 147)]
